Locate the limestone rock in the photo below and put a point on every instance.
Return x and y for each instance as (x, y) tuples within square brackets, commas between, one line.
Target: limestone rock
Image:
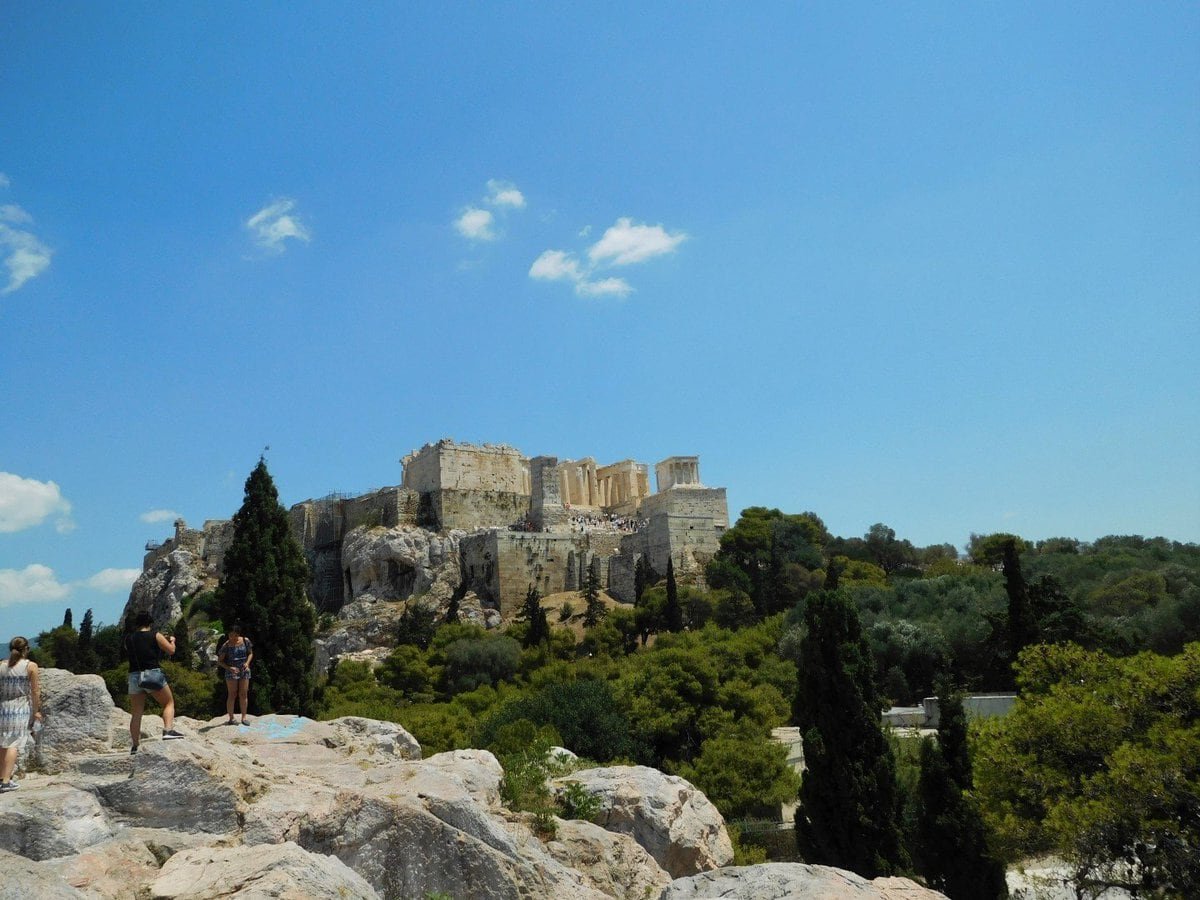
[(186, 786), (162, 588), (78, 719), (108, 869), (793, 881), (402, 562), (667, 815), (385, 737), (24, 879), (249, 873), (615, 864), (45, 821)]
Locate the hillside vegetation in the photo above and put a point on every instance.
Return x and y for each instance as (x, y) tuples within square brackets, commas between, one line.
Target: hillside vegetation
[(692, 681)]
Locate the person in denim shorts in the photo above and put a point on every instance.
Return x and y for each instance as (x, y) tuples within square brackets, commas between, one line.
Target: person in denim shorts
[(145, 649)]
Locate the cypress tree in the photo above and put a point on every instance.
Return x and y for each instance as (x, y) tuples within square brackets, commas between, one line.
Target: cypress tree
[(532, 612), (595, 610), (951, 843), (1022, 627), (264, 588), (88, 661), (673, 613), (67, 619), (849, 803)]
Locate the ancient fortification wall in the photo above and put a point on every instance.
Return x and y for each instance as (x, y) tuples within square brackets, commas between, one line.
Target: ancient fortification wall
[(536, 521)]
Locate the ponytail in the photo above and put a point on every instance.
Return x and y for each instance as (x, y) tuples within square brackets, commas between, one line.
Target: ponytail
[(17, 648)]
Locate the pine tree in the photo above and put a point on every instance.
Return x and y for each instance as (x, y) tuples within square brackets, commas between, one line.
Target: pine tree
[(951, 843), (88, 663), (264, 588), (849, 802), (532, 612), (595, 610), (672, 612)]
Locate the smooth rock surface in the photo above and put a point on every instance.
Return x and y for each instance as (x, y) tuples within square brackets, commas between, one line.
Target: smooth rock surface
[(278, 871), (667, 815), (793, 881)]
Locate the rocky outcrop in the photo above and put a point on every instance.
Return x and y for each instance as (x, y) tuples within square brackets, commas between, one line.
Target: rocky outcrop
[(672, 820), (793, 881), (284, 870), (291, 807), (402, 562), (162, 588)]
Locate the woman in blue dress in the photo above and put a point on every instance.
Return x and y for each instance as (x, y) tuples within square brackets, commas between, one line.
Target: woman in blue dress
[(20, 707), (235, 657)]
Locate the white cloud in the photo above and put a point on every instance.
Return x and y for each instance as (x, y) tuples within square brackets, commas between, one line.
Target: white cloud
[(504, 193), (24, 255), (10, 212), (159, 515), (553, 265), (273, 224), (26, 503), (615, 287), (112, 581), (33, 584), (626, 242), (558, 265), (476, 224)]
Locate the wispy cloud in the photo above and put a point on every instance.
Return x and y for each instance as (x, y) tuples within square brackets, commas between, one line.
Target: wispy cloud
[(275, 223), (476, 224), (33, 584), (504, 193), (558, 265), (25, 256), (623, 244), (153, 516), (112, 581), (27, 503), (4, 182)]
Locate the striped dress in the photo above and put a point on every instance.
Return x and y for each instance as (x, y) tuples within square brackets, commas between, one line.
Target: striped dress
[(15, 706)]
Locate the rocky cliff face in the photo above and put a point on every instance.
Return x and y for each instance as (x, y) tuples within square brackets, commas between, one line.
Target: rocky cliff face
[(170, 580), (292, 808)]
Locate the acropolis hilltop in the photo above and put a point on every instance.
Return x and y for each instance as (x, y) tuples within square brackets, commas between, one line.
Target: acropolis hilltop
[(522, 521)]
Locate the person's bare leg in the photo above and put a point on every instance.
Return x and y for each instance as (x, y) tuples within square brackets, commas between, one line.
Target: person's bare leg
[(231, 689), (137, 705), (243, 696), (8, 762), (167, 699)]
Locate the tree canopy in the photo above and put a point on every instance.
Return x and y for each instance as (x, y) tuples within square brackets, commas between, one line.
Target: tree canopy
[(265, 589)]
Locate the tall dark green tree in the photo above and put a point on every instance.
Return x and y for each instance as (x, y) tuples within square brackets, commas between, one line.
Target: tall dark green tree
[(673, 612), (849, 803), (264, 588), (643, 576), (532, 613), (67, 619), (88, 662), (183, 643), (951, 842), (1022, 626), (595, 610)]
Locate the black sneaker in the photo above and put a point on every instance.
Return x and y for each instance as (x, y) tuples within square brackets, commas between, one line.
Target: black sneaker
[(133, 750), (171, 735)]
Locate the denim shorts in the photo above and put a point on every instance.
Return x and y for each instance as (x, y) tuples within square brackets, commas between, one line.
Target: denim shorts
[(244, 676), (134, 687)]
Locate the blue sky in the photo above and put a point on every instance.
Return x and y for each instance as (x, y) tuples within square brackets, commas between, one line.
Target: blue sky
[(934, 265)]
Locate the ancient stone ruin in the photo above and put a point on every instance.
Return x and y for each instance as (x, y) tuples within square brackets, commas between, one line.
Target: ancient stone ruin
[(489, 521)]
